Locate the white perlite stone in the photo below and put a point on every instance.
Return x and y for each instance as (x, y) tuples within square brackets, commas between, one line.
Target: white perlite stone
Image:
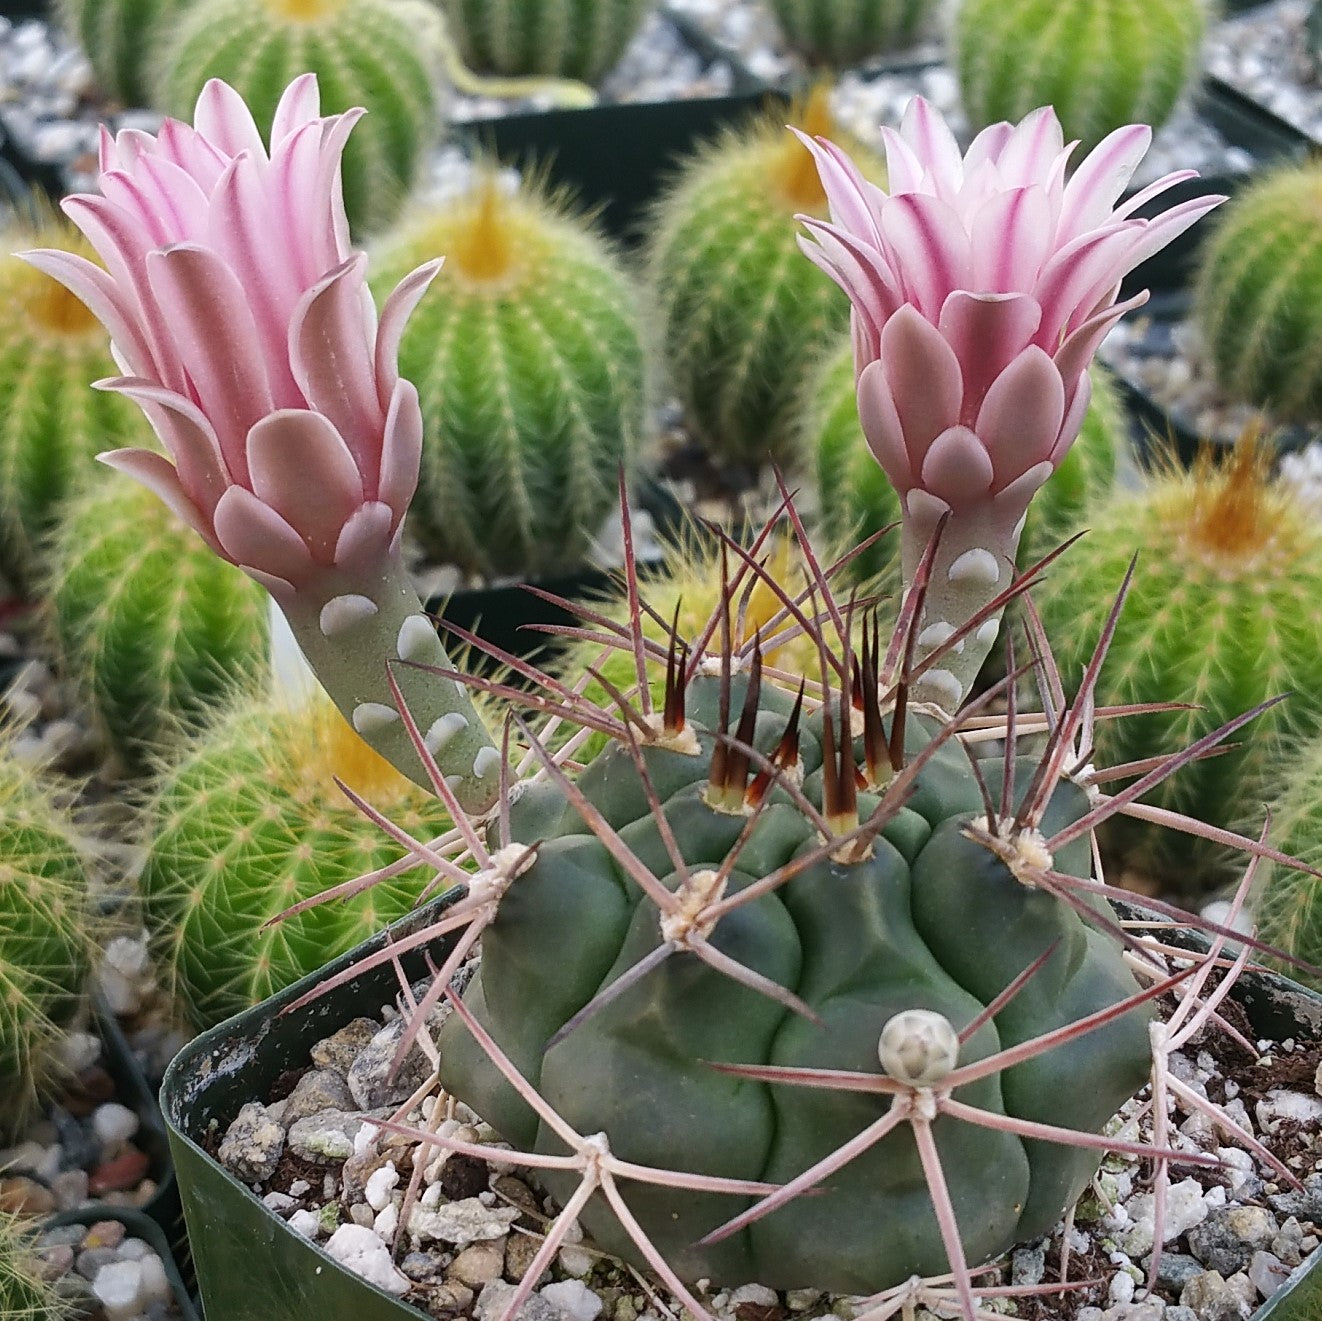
[(359, 1250), (155, 1282), (118, 1286), (380, 1183), (573, 1299), (114, 1123), (1280, 1104), (1186, 1207), (307, 1223), (462, 1222)]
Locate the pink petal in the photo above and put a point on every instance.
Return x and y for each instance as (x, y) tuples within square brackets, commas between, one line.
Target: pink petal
[(281, 589), (394, 317), (957, 469), (1100, 179), (401, 450), (1014, 240), (253, 535), (301, 468), (1163, 229), (861, 271), (986, 332), (300, 103), (174, 197), (987, 146), (866, 339), (881, 427), (157, 473), (190, 151), (924, 378), (1021, 416), (846, 189), (904, 171), (1074, 278), (934, 144), (1072, 423), (331, 241), (1154, 189), (1075, 352), (365, 538), (1011, 502), (1031, 147), (928, 248), (223, 118)]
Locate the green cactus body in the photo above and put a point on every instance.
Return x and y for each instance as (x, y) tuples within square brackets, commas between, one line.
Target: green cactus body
[(45, 937), (1101, 63), (151, 626), (529, 358), (855, 497), (740, 307), (859, 939), (1225, 612), (25, 1292), (247, 822), (847, 32), (51, 424), (1258, 296), (380, 54), (118, 37), (580, 39)]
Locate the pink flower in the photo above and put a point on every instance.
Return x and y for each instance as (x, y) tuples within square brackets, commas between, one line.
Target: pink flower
[(241, 318), (981, 287)]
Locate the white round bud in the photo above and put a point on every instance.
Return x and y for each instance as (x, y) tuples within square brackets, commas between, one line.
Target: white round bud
[(918, 1047)]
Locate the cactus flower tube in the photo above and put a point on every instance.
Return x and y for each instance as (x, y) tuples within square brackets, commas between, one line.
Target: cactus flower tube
[(981, 286), (241, 317)]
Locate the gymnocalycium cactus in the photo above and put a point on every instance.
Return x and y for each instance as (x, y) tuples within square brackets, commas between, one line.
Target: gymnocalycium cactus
[(25, 1292), (1256, 300), (847, 32), (528, 354), (1099, 63), (752, 897), (118, 37)]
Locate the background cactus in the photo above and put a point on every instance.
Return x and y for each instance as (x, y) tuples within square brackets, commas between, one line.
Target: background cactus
[(380, 54), (45, 937), (741, 309), (1258, 295), (580, 39), (150, 625), (51, 424), (1225, 612), (249, 821), (529, 358), (118, 37), (1100, 63), (855, 499), (25, 1293), (847, 32)]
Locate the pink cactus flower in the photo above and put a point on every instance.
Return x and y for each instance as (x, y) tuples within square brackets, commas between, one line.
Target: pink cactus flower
[(241, 319), (981, 286)]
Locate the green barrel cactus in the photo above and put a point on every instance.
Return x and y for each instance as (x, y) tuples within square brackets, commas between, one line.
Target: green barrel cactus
[(25, 1292), (46, 939), (529, 357), (579, 39), (51, 424), (1225, 612), (855, 499), (842, 33), (248, 822), (1100, 63), (1258, 295), (150, 625), (741, 310), (384, 55), (118, 37)]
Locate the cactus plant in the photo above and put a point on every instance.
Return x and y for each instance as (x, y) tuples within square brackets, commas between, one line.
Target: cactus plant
[(46, 937), (855, 500), (580, 39), (1100, 63), (847, 32), (1224, 614), (149, 625), (1254, 302), (741, 313), (383, 55), (50, 423), (248, 821), (25, 1292), (118, 37), (529, 359)]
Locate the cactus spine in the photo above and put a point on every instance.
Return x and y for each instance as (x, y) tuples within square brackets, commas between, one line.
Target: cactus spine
[(847, 32), (1258, 297), (383, 55), (529, 358), (580, 39), (150, 625), (249, 822), (51, 424), (25, 1292), (1101, 63), (45, 937), (118, 37), (741, 309)]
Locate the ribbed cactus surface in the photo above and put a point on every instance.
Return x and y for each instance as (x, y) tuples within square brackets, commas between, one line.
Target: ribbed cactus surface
[(741, 311), (847, 32), (1100, 63), (45, 937), (150, 625), (1225, 612), (1258, 296), (118, 37), (580, 39), (246, 823), (383, 55), (529, 357), (51, 424)]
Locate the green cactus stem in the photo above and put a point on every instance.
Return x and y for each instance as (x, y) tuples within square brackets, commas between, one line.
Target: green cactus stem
[(25, 1292), (1258, 296), (842, 33), (1101, 63), (529, 358), (118, 37)]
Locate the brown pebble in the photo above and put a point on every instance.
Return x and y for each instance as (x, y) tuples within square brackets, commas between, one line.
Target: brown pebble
[(514, 1192), (105, 1234), (20, 1195), (463, 1176), (125, 1171), (55, 1261), (520, 1249)]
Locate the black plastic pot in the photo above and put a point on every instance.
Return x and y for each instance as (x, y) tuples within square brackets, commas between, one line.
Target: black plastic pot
[(252, 1267)]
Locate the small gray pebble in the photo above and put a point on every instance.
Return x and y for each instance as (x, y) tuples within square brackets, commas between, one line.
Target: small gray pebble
[(90, 1260), (252, 1147), (1226, 1241), (338, 1052), (317, 1090)]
